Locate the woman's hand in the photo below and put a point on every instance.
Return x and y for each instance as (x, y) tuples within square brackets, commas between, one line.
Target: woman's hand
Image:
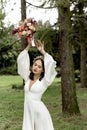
[(40, 46)]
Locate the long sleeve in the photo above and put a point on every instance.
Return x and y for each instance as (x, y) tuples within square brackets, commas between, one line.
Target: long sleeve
[(50, 72), (23, 63)]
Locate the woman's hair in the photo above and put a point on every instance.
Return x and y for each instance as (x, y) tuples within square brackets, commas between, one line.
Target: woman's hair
[(31, 76)]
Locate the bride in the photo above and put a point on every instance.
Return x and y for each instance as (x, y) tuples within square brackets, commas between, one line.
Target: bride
[(36, 115)]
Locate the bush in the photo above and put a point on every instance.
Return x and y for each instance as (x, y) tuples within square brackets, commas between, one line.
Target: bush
[(58, 71), (77, 75), (15, 86), (9, 70)]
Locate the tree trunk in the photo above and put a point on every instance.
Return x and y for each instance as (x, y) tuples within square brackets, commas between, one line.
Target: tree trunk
[(83, 68), (23, 9), (69, 99), (23, 16)]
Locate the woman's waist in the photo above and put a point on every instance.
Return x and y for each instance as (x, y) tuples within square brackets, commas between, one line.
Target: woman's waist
[(33, 96)]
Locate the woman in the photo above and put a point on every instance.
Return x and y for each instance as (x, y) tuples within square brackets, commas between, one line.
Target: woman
[(36, 115)]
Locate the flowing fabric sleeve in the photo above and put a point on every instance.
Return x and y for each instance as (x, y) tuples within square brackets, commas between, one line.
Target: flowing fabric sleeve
[(23, 64), (50, 72)]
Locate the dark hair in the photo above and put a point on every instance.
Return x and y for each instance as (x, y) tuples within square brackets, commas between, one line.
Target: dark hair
[(31, 76)]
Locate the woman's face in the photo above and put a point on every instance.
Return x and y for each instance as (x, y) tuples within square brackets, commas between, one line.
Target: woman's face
[(37, 67)]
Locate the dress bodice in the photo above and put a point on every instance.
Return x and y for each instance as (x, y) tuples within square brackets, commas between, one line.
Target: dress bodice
[(36, 90)]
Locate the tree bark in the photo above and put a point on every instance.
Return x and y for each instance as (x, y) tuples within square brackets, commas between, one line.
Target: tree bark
[(23, 16), (23, 9), (83, 68), (69, 99)]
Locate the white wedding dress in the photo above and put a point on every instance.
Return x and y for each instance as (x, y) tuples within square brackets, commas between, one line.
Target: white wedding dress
[(36, 115)]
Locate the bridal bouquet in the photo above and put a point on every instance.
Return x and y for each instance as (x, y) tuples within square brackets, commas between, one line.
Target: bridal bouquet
[(26, 29)]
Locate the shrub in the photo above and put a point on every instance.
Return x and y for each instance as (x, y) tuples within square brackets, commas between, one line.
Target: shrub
[(9, 70)]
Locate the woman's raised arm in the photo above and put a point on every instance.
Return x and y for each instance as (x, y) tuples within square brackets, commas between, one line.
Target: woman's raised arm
[(23, 63), (49, 64)]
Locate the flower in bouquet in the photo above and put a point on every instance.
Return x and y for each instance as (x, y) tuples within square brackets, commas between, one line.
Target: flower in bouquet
[(26, 29)]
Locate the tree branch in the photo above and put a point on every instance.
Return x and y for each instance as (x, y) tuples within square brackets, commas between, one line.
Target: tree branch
[(41, 6)]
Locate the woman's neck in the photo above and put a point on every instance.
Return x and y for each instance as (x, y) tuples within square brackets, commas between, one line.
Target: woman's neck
[(36, 77)]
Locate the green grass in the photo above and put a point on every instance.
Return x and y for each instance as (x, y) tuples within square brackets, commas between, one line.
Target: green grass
[(11, 106), (9, 80)]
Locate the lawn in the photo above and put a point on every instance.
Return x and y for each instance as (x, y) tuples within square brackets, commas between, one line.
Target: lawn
[(11, 105)]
